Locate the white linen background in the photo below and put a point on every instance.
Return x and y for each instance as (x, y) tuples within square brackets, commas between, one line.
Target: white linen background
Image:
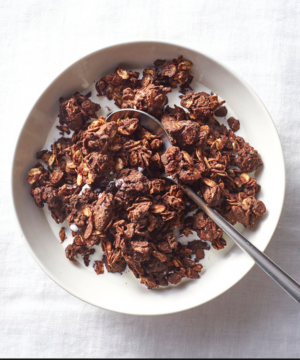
[(260, 40)]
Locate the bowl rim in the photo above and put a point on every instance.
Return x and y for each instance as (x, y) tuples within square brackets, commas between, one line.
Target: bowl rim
[(140, 42)]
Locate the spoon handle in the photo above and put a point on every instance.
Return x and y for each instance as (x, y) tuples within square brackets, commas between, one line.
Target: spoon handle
[(266, 264)]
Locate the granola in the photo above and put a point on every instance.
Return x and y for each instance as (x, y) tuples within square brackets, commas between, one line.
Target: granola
[(106, 179)]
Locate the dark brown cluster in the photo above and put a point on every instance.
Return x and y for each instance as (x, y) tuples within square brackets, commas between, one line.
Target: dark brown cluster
[(74, 112), (149, 93), (201, 105), (129, 209)]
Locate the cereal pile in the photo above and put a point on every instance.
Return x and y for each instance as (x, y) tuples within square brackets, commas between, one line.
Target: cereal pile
[(126, 207)]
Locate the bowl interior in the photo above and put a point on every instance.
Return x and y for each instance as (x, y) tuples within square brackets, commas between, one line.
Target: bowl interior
[(111, 291)]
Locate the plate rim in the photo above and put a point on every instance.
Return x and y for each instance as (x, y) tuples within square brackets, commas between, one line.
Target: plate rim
[(140, 42)]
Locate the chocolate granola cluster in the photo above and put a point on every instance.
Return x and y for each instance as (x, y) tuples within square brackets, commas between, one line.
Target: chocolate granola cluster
[(126, 206)]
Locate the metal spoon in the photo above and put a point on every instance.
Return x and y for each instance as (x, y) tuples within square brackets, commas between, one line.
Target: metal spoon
[(266, 264)]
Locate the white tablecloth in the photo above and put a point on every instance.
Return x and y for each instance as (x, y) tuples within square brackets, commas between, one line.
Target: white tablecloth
[(261, 41)]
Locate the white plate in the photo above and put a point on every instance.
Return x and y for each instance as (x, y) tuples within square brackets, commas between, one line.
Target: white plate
[(123, 293)]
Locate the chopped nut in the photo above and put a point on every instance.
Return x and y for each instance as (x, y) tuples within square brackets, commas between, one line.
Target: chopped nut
[(119, 164), (33, 175), (185, 65), (62, 234), (99, 267), (157, 209), (122, 73), (245, 178)]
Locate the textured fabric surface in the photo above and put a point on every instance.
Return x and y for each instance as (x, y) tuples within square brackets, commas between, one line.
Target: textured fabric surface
[(260, 40)]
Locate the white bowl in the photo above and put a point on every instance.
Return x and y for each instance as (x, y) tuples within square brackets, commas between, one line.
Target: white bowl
[(112, 291)]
